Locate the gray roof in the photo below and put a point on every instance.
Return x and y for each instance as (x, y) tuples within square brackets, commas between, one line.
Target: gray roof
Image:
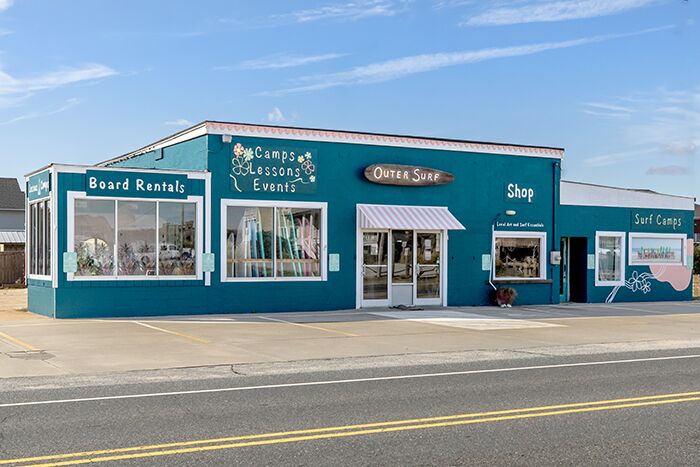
[(11, 236), (11, 197)]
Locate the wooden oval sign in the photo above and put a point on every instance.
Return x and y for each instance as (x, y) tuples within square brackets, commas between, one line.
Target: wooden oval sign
[(406, 175)]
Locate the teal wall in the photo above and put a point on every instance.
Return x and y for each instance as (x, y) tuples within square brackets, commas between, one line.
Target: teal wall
[(189, 155), (40, 297), (76, 299), (475, 197), (584, 221)]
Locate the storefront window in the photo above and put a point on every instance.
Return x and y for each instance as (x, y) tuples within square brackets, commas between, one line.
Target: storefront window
[(268, 241), (94, 236), (650, 249), (518, 256), (40, 238), (136, 248), (298, 242), (610, 262), (153, 238), (249, 235), (177, 223)]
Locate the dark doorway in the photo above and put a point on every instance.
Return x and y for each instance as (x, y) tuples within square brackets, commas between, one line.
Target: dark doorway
[(578, 269)]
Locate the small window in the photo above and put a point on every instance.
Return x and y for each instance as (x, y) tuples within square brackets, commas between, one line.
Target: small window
[(94, 235), (137, 238), (273, 241), (39, 238), (648, 249), (176, 224), (519, 255), (610, 258)]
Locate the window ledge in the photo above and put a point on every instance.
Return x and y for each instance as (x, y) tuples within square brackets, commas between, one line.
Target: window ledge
[(522, 281)]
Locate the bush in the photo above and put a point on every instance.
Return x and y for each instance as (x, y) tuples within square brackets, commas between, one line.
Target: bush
[(696, 260)]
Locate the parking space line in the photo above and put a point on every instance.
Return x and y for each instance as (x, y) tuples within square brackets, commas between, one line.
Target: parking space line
[(174, 333), (19, 342), (639, 310), (309, 326)]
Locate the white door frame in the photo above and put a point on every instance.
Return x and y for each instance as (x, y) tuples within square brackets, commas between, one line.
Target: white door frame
[(360, 301), (359, 292), (442, 299)]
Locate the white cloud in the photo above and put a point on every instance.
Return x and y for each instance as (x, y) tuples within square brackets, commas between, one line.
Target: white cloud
[(280, 61), (605, 160), (10, 85), (670, 170), (400, 67), (662, 126), (610, 107), (70, 103), (350, 11), (179, 122), (5, 32), (549, 11), (5, 4), (276, 115), (681, 149)]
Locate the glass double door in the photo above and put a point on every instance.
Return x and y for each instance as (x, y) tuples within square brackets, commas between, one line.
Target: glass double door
[(401, 267)]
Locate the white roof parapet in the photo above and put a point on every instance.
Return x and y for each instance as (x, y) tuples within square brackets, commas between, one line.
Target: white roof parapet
[(339, 136), (586, 194)]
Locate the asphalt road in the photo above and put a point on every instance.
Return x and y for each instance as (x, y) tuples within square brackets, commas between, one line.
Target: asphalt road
[(548, 411)]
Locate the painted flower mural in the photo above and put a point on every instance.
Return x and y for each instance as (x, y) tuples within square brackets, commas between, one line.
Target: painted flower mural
[(258, 168), (679, 277)]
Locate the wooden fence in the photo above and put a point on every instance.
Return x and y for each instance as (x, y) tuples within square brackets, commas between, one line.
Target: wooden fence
[(11, 266)]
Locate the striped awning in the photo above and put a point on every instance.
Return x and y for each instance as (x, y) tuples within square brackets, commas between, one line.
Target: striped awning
[(383, 216)]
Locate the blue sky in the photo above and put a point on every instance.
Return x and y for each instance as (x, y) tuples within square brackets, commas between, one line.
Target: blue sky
[(614, 82)]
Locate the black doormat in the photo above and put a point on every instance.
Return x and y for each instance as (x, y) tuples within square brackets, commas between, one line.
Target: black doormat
[(407, 307)]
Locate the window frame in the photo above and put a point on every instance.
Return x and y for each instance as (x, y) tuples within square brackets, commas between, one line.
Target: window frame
[(32, 239), (542, 236), (623, 252), (198, 201), (322, 206), (684, 248)]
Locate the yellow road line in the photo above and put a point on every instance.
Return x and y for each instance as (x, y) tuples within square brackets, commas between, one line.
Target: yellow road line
[(217, 447), (377, 427), (19, 342), (309, 326), (174, 333)]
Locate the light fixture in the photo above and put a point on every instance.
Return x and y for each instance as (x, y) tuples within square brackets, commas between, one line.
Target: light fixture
[(226, 138), (510, 212)]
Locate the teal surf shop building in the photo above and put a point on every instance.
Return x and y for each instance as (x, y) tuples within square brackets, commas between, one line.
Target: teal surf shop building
[(230, 218)]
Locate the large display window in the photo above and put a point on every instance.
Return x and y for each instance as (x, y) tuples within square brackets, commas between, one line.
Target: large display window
[(519, 255), (134, 238), (647, 249), (610, 258), (268, 240)]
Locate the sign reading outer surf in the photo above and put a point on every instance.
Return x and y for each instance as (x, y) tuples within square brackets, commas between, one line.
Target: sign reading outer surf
[(406, 175)]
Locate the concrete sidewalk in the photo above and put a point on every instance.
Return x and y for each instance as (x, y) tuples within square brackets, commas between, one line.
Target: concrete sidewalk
[(36, 346)]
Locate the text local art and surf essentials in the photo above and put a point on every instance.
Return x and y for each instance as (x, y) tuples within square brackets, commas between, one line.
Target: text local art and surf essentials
[(274, 170), (406, 175)]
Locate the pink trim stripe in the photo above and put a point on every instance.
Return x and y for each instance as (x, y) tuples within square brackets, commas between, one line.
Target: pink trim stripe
[(302, 133), (407, 217)]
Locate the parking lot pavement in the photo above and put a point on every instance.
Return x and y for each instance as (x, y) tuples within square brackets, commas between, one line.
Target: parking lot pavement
[(40, 346)]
